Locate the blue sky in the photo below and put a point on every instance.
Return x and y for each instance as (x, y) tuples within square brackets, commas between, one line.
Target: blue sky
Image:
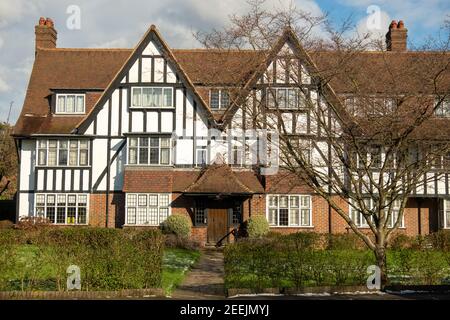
[(121, 23)]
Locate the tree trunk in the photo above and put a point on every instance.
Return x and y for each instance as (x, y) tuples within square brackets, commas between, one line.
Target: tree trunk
[(380, 255)]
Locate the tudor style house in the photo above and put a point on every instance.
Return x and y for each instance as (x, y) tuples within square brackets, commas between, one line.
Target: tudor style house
[(123, 138)]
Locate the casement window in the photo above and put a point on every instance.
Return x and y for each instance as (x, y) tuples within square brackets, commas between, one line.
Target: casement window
[(237, 154), (147, 209), (62, 208), (219, 99), (443, 110), (151, 97), (149, 150), (361, 222), (200, 213), (70, 152), (285, 98), (70, 104), (201, 156), (289, 210), (444, 213), (236, 217)]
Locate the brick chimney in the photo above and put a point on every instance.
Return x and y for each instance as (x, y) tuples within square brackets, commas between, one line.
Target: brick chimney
[(396, 36), (45, 34)]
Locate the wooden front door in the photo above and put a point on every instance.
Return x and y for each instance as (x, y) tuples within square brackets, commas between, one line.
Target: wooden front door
[(217, 224)]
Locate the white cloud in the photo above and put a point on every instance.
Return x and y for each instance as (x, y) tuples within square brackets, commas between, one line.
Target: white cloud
[(13, 11), (3, 85), (1, 42), (116, 43), (374, 25)]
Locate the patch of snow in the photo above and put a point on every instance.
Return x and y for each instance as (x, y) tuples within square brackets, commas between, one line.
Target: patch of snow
[(360, 292), (407, 291)]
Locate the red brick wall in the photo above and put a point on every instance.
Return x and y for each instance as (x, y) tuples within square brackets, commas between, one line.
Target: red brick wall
[(97, 209), (320, 216), (256, 205)]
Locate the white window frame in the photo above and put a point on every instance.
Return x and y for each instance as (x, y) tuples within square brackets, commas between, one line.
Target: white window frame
[(299, 96), (220, 98), (365, 224), (202, 149), (58, 141), (300, 208), (162, 106), (138, 146), (65, 95), (46, 205), (147, 207), (446, 211)]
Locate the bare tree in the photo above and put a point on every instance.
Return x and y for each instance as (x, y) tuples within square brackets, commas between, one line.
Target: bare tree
[(371, 146), (8, 161)]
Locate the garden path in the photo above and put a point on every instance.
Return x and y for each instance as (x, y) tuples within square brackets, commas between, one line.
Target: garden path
[(205, 279)]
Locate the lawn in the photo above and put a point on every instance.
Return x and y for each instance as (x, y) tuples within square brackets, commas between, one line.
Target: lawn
[(176, 263)]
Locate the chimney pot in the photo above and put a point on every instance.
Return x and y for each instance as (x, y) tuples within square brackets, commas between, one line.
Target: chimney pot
[(393, 24), (46, 34), (396, 37), (49, 22)]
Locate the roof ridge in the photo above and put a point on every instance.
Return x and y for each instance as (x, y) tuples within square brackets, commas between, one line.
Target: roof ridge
[(85, 49), (216, 49)]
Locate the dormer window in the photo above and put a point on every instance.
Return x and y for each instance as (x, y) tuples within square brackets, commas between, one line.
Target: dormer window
[(70, 104), (219, 99)]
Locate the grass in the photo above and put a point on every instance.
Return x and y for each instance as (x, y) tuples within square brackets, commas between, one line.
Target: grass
[(176, 263)]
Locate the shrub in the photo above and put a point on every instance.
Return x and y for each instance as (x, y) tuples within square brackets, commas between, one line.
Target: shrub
[(257, 227), (32, 223), (440, 240), (173, 241), (401, 241), (6, 224), (178, 225), (345, 241)]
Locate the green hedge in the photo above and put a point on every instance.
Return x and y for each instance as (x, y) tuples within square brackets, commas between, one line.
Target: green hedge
[(302, 259), (109, 259)]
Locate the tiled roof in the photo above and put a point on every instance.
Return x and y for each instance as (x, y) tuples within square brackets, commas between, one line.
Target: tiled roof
[(93, 69), (221, 179), (215, 179)]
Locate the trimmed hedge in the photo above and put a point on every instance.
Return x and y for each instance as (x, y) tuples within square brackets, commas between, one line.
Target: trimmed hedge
[(303, 259), (109, 259)]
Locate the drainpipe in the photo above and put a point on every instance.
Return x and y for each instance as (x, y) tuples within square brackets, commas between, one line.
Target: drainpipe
[(419, 216), (329, 219)]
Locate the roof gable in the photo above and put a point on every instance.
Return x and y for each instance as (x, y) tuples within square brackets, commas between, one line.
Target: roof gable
[(150, 44), (290, 43)]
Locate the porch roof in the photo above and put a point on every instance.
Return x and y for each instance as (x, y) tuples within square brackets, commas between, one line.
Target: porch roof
[(221, 179)]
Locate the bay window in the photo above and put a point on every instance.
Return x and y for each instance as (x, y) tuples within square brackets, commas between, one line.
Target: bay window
[(147, 209), (152, 97), (289, 210), (149, 150), (62, 208), (58, 152)]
